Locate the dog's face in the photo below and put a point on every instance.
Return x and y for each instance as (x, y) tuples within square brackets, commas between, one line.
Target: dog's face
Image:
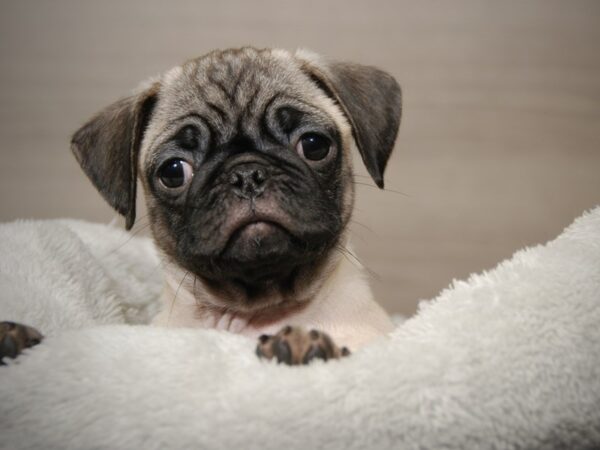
[(245, 159)]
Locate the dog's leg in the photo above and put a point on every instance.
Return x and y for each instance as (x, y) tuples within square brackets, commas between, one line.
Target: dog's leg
[(295, 346), (15, 337)]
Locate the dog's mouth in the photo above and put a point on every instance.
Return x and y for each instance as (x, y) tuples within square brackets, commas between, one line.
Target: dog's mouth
[(256, 231), (259, 241), (261, 244), (255, 226)]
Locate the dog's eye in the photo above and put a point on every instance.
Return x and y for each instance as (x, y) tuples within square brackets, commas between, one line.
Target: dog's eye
[(313, 146), (175, 173)]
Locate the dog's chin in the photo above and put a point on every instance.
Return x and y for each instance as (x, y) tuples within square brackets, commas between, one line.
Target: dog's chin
[(260, 252)]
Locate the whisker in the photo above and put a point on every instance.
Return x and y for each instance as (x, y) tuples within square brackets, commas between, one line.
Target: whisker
[(384, 189), (358, 236), (362, 225), (346, 252), (129, 238), (175, 297)]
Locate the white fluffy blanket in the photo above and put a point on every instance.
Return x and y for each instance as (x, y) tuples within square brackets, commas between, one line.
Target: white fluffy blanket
[(508, 359)]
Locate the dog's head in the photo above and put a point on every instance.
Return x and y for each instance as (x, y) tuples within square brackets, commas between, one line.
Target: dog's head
[(245, 160)]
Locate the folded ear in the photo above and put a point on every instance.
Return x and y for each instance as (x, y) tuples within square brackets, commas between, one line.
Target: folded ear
[(370, 98), (107, 148)]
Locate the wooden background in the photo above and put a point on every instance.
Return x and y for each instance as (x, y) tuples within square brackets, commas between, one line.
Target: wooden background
[(499, 147)]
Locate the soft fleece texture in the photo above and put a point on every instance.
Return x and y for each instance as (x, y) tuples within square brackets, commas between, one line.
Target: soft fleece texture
[(508, 359)]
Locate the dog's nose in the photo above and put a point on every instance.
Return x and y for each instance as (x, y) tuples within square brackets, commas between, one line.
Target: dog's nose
[(248, 180)]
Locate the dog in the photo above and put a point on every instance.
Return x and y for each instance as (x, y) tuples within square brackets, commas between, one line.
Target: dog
[(245, 158)]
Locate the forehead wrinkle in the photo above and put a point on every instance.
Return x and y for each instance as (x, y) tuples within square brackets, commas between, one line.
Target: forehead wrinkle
[(224, 74), (305, 107), (234, 91), (216, 112), (228, 93)]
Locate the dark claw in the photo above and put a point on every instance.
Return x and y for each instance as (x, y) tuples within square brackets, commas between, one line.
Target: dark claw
[(32, 342), (282, 351), (314, 352), (8, 347)]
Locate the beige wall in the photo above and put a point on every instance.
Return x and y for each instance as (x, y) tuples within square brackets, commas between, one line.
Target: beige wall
[(499, 146)]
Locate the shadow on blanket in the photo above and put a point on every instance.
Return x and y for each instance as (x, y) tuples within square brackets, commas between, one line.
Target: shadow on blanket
[(508, 359)]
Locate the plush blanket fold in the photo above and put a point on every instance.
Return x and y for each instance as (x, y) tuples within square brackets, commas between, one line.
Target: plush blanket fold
[(507, 359)]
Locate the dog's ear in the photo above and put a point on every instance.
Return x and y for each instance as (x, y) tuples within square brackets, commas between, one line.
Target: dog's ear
[(107, 148), (370, 98)]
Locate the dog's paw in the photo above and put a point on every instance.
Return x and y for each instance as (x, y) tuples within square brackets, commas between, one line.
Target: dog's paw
[(15, 337), (295, 345)]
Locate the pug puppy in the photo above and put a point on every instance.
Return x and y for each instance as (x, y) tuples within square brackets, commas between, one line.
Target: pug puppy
[(245, 158)]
